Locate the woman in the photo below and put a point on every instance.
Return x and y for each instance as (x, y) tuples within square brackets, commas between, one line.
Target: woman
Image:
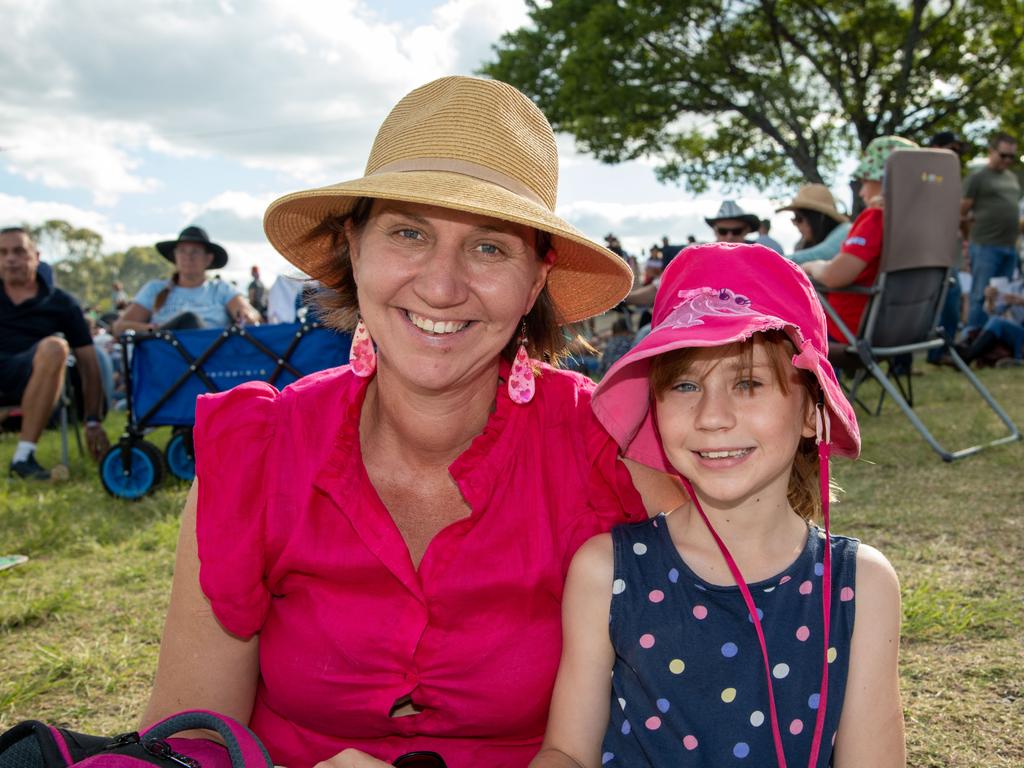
[(372, 561), (822, 227), (861, 251), (188, 299)]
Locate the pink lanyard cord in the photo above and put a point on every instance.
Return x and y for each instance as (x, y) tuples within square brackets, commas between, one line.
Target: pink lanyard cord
[(824, 451)]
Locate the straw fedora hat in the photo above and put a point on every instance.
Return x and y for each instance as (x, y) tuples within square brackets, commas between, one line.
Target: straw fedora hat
[(472, 145), (815, 197)]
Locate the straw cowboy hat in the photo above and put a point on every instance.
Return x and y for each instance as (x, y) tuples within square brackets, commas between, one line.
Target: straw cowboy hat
[(472, 145), (194, 235), (731, 210), (815, 197)]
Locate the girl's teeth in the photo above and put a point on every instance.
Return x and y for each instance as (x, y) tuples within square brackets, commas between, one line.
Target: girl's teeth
[(724, 454)]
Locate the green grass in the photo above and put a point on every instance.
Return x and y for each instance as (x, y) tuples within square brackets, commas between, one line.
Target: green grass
[(80, 623)]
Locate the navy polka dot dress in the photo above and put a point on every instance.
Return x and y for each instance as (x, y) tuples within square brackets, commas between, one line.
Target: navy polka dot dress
[(688, 686)]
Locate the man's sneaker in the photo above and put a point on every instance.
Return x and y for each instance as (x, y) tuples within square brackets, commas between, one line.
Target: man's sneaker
[(28, 469), (1009, 362)]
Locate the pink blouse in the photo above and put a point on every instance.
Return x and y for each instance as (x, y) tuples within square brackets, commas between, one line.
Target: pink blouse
[(296, 545)]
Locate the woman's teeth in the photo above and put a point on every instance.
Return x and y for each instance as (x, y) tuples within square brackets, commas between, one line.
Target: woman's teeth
[(435, 326), (724, 454)]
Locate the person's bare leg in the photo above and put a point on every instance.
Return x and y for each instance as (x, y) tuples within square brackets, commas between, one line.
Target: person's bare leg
[(44, 386)]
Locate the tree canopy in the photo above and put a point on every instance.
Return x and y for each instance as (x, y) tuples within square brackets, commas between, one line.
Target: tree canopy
[(763, 92)]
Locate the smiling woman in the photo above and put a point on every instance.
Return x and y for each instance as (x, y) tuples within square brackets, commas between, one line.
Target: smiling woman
[(372, 560)]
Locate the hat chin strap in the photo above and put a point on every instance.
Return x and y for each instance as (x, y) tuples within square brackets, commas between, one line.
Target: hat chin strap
[(822, 432)]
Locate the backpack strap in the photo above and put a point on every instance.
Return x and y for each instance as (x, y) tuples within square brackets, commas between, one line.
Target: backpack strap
[(243, 746)]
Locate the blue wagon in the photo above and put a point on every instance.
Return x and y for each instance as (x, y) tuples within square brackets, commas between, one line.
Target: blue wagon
[(167, 370)]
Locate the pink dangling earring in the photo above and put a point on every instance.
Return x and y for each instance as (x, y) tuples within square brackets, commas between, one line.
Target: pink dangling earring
[(521, 384), (362, 357)]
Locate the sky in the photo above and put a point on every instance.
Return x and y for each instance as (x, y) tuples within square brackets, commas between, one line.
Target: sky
[(136, 119)]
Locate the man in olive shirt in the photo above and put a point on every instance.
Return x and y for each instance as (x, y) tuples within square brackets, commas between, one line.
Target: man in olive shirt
[(991, 194)]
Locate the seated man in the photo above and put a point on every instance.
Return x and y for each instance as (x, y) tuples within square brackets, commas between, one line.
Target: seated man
[(1005, 324), (33, 359)]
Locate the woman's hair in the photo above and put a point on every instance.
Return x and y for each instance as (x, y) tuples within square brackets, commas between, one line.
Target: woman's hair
[(821, 224), (161, 297), (338, 305), (803, 492)]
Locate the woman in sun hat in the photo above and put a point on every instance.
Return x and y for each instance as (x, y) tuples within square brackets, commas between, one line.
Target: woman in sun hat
[(821, 225), (188, 299), (371, 561), (861, 252)]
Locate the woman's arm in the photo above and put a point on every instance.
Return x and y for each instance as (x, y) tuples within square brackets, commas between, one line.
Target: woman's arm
[(871, 727), (826, 250), (202, 666), (579, 705), (134, 318), (242, 312), (837, 273)]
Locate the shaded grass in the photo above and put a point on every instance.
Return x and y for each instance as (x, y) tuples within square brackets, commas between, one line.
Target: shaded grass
[(80, 622)]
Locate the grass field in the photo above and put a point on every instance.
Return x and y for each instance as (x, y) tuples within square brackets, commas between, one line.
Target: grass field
[(80, 622)]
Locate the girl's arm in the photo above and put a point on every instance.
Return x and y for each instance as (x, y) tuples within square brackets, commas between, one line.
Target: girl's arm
[(202, 665), (871, 727), (579, 705)]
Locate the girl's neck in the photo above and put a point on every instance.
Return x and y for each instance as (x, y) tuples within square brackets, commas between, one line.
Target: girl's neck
[(424, 428), (763, 539)]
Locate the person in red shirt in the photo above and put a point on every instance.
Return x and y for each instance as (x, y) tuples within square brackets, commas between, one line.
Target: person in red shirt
[(857, 261), (371, 562)]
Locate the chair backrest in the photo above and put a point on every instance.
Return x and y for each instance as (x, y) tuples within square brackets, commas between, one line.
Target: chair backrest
[(919, 243)]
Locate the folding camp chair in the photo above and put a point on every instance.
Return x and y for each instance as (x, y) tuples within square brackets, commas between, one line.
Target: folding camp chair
[(920, 237), (166, 371)]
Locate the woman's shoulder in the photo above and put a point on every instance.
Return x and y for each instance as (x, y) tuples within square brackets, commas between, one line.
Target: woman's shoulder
[(562, 387)]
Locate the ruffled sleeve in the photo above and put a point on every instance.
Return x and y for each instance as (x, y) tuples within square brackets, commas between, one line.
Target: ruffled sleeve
[(233, 434), (611, 497)]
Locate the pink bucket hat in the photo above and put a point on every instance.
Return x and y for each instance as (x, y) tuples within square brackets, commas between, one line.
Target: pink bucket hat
[(712, 295)]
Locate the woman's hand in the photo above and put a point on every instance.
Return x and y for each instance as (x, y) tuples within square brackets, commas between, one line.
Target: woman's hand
[(352, 758)]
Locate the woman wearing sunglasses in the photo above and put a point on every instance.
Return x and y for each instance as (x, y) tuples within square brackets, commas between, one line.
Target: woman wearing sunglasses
[(371, 562), (822, 227)]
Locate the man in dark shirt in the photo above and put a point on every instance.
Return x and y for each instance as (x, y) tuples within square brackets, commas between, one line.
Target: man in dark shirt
[(33, 359)]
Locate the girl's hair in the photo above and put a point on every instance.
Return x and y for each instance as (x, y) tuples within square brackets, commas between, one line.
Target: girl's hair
[(803, 492), (821, 224), (338, 305), (161, 297)]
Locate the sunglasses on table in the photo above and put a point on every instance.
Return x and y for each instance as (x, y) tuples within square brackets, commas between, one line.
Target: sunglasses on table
[(420, 760), (723, 231)]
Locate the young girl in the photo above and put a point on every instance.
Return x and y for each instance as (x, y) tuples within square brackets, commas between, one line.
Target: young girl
[(732, 631)]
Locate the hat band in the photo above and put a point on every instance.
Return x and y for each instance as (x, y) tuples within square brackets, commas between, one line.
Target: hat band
[(465, 168)]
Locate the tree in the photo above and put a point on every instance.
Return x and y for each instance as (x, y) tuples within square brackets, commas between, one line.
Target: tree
[(763, 92)]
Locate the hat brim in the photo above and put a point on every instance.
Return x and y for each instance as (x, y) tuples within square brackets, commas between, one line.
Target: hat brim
[(220, 256), (810, 205), (748, 218), (622, 401), (585, 280)]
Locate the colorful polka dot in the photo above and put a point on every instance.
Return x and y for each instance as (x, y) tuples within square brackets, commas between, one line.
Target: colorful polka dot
[(769, 589), (700, 612), (802, 633), (622, 703), (618, 587), (690, 742), (832, 653), (784, 579), (673, 576), (652, 723), (760, 615), (846, 594), (663, 705), (729, 650), (656, 596), (701, 587), (639, 548), (819, 569), (780, 671), (813, 700), (806, 588), (647, 641), (676, 666), (625, 728), (757, 718), (729, 695), (607, 757), (741, 750), (796, 727)]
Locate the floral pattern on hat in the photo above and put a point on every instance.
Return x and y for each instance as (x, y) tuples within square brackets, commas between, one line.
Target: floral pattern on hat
[(872, 162)]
